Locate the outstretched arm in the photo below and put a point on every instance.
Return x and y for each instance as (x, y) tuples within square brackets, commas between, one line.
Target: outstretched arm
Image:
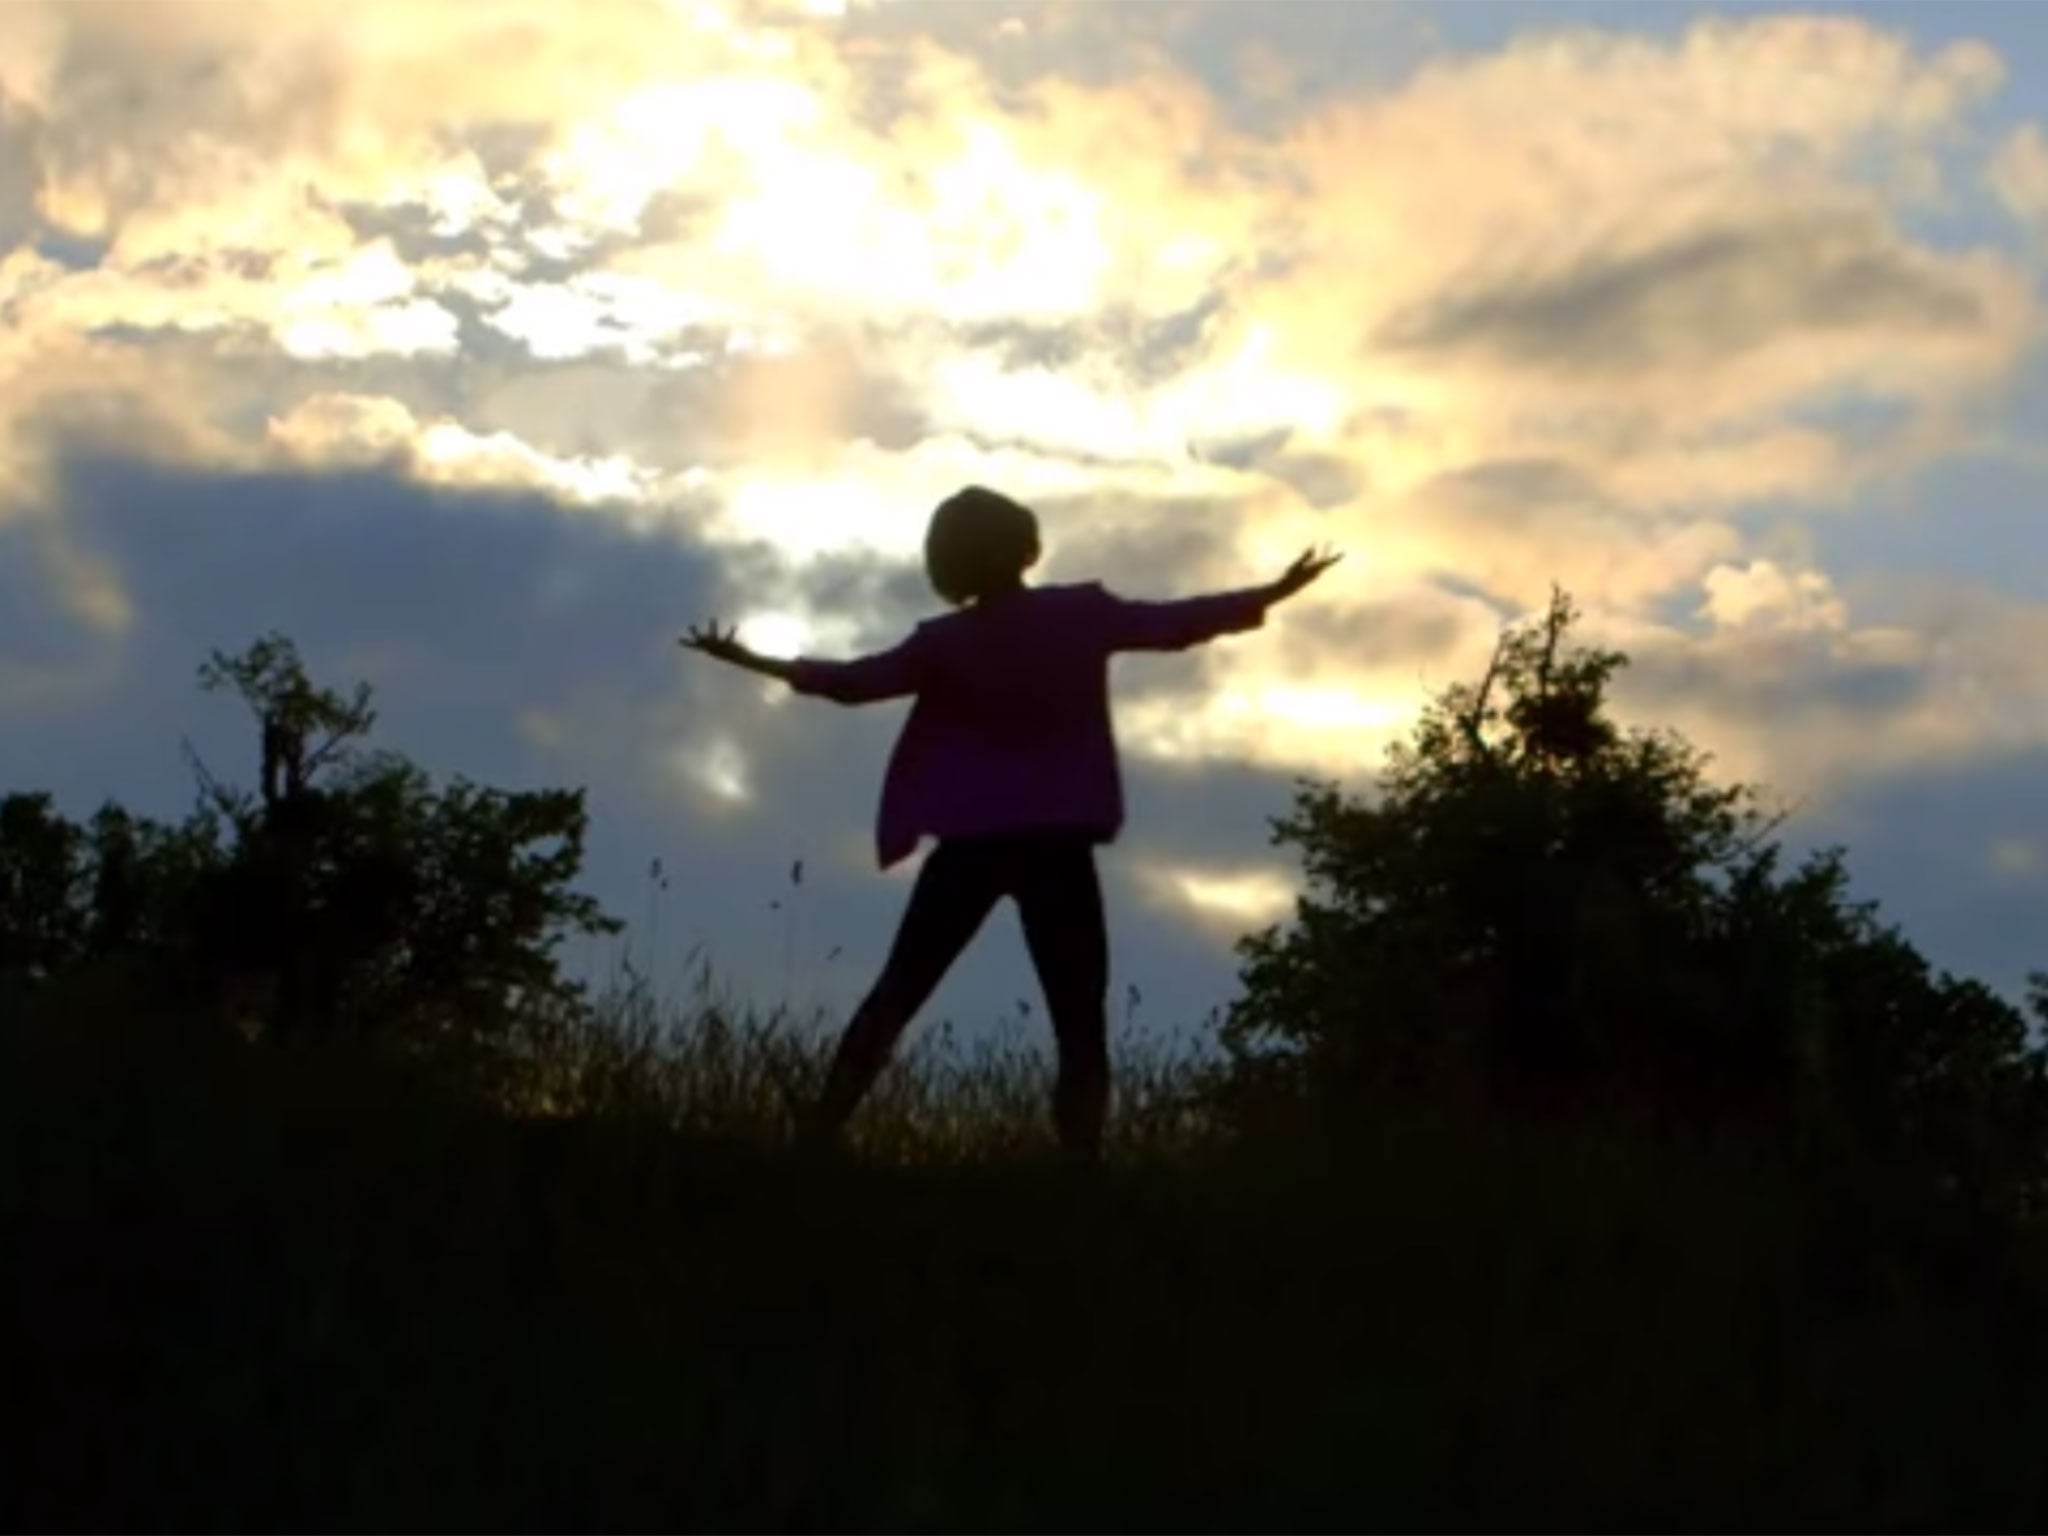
[(885, 675), (1174, 626)]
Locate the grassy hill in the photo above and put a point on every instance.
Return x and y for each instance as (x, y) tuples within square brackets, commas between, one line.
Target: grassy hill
[(253, 1287)]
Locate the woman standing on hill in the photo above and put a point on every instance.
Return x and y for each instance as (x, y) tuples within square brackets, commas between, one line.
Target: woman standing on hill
[(1009, 761)]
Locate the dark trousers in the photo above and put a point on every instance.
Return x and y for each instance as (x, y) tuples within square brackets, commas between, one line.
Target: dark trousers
[(1051, 877)]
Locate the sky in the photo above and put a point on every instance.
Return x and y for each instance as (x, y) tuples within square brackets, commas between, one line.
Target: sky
[(483, 345)]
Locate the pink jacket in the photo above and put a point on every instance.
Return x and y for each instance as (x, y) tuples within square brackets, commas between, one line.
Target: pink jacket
[(1011, 728)]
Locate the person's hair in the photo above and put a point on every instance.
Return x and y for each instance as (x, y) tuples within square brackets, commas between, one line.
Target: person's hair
[(979, 542)]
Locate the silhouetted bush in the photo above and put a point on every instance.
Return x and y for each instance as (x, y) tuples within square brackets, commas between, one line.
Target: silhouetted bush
[(115, 899), (346, 892), (1541, 914)]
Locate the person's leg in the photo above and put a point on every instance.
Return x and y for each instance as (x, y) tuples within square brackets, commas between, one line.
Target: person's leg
[(954, 892), (1060, 900)]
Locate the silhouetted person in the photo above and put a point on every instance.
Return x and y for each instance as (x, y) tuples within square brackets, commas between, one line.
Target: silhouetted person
[(1009, 761)]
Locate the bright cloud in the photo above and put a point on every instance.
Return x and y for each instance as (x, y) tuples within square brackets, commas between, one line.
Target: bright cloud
[(336, 429), (2019, 174), (1760, 593), (1227, 901)]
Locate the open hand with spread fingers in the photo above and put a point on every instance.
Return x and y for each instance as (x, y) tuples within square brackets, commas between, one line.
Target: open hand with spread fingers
[(1309, 565), (721, 646), (724, 645)]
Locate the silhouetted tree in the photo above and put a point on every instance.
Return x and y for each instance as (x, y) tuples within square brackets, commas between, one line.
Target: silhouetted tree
[(42, 929), (346, 891), (1541, 912), (117, 892), (375, 899)]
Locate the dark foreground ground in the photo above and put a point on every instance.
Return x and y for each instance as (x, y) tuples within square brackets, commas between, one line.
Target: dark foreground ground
[(247, 1291)]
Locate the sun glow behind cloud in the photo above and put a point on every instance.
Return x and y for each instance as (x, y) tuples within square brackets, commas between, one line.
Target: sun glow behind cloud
[(605, 172), (776, 634), (805, 518)]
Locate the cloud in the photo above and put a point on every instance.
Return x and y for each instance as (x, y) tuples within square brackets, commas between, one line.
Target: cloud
[(1788, 686), (1228, 901), (1709, 300), (2019, 174), (1642, 258), (1761, 595), (63, 612), (1948, 851), (2019, 858), (1183, 294), (1515, 527), (337, 430), (506, 581)]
